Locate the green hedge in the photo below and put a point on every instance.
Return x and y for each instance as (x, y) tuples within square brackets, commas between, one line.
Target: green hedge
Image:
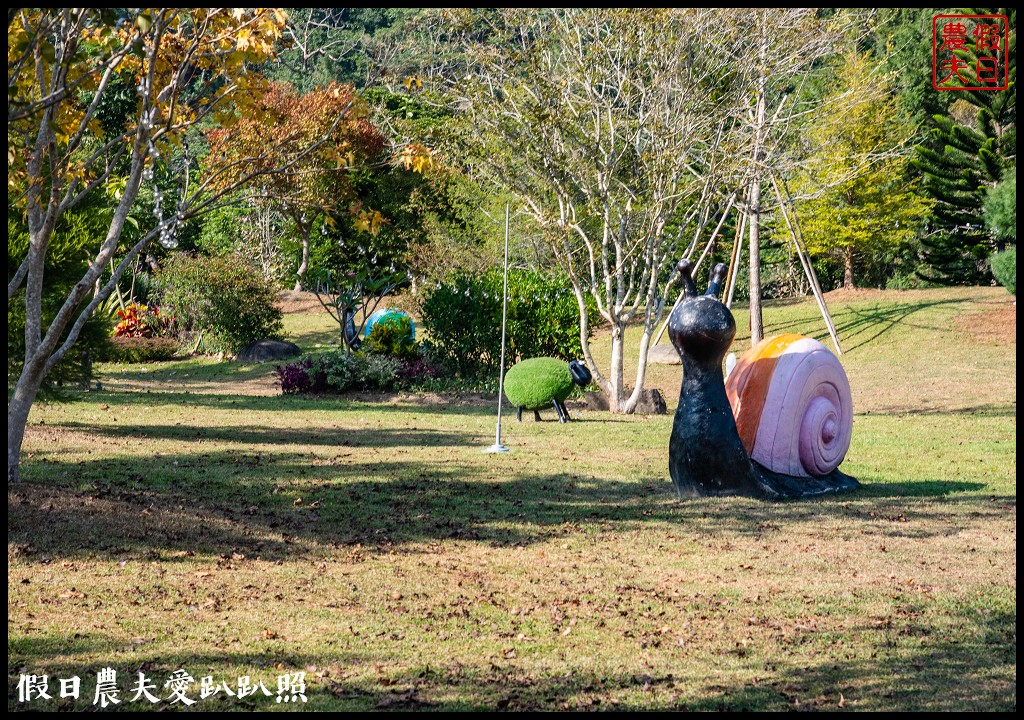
[(1004, 267), (462, 319), (229, 303)]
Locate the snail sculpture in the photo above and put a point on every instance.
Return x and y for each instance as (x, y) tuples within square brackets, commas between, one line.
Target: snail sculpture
[(780, 426)]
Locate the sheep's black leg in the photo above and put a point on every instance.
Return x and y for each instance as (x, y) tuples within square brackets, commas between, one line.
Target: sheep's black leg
[(519, 413), (536, 415), (565, 411), (558, 411)]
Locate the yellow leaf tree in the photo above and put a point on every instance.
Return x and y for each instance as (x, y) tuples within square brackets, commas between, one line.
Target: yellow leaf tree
[(188, 65), (858, 200)]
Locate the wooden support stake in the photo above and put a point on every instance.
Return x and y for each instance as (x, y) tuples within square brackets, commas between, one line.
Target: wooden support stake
[(805, 261), (737, 253), (714, 236)]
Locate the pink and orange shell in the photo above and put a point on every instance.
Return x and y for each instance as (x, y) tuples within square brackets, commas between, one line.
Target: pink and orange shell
[(792, 404)]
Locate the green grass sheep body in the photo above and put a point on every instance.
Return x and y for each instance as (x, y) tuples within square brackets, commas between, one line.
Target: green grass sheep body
[(538, 383)]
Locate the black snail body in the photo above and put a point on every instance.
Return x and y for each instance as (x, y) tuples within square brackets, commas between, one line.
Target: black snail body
[(706, 454)]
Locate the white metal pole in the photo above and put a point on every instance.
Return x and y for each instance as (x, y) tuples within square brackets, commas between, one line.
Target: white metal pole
[(497, 447)]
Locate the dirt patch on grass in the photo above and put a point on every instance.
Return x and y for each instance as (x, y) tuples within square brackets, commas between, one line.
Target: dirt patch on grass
[(844, 295), (998, 324), (301, 302), (292, 302)]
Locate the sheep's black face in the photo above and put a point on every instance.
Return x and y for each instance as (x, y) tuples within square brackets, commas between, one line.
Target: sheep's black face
[(702, 328)]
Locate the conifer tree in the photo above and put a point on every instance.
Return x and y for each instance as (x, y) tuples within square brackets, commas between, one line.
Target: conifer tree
[(961, 162)]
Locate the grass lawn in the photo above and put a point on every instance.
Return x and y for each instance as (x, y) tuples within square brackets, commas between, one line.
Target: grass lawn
[(189, 517)]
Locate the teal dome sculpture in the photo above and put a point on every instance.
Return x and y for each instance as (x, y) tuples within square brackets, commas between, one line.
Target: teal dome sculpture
[(382, 314)]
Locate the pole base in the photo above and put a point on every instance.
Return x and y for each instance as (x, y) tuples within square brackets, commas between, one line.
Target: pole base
[(497, 448)]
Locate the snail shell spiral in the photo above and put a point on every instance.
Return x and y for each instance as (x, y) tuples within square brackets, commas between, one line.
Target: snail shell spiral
[(792, 404)]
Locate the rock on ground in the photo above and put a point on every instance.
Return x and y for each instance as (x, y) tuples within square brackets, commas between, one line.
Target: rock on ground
[(266, 350), (664, 355), (651, 402)]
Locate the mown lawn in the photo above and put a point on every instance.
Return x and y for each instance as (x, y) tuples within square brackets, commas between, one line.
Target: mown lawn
[(189, 517)]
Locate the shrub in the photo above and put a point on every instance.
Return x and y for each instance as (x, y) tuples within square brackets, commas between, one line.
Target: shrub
[(223, 301), (342, 370), (300, 377), (1004, 267), (532, 384), (418, 372), (463, 320), (1001, 206), (906, 281), (137, 349), (379, 372), (141, 321), (392, 335), (339, 372)]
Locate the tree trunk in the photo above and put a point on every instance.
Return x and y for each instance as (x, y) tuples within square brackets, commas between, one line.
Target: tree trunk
[(18, 408), (754, 201), (754, 210), (588, 356), (614, 389), (629, 406), (848, 281), (307, 230)]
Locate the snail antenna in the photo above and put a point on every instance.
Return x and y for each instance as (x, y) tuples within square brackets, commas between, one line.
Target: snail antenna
[(717, 275), (684, 268)]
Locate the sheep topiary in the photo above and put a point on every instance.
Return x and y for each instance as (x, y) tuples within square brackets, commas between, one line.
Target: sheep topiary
[(537, 383)]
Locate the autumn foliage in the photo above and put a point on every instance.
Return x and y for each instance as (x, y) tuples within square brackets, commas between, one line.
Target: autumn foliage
[(305, 148)]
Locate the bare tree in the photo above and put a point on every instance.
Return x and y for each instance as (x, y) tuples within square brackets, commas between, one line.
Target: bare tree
[(611, 128), (776, 51), (260, 229)]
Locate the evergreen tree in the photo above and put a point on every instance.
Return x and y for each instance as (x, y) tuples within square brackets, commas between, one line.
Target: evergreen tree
[(961, 162), (358, 46)]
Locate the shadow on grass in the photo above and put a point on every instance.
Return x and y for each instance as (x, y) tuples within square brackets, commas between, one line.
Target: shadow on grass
[(283, 504), (382, 403), (971, 670), (339, 438), (279, 505), (859, 325), (986, 410), (941, 674)]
